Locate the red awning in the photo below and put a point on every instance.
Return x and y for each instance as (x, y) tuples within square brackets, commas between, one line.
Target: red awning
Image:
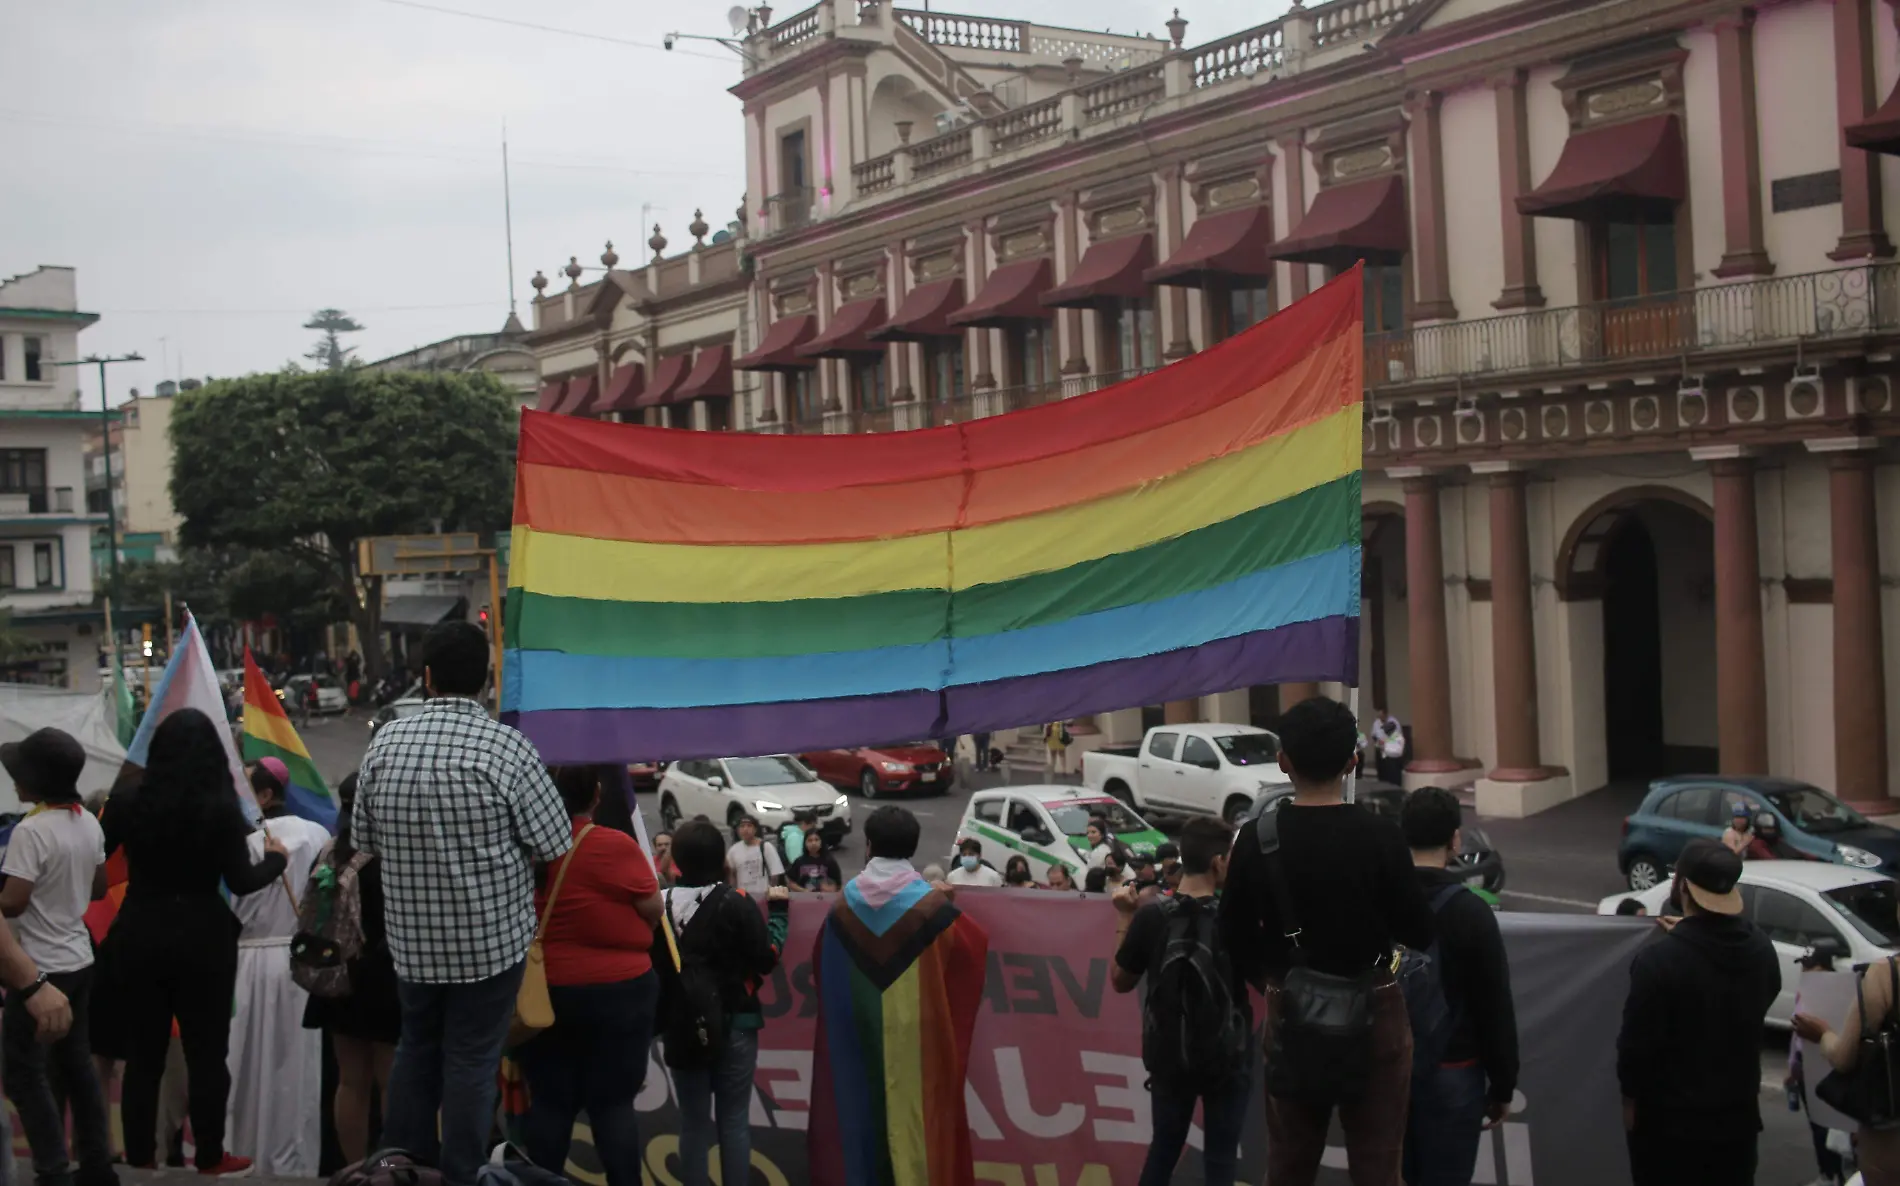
[(1363, 220), (849, 334), (580, 393), (551, 394), (779, 350), (1879, 132), (1010, 296), (1109, 271), (925, 313), (667, 377), (1620, 173), (1230, 243), (712, 375), (624, 389)]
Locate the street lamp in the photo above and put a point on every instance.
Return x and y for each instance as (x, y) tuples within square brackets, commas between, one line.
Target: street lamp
[(105, 442)]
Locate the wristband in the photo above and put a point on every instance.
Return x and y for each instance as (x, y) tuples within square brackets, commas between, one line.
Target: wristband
[(26, 993)]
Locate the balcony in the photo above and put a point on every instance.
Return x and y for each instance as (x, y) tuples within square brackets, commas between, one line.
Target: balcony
[(1780, 310), (46, 500), (789, 210), (975, 405)]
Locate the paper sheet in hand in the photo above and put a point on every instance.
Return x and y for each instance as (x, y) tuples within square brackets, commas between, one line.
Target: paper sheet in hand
[(1828, 996)]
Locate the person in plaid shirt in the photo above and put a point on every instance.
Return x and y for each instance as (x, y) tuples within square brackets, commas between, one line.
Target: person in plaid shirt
[(459, 808)]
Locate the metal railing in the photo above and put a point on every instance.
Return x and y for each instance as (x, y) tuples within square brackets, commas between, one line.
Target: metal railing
[(966, 32), (1239, 56), (788, 210), (1845, 302), (1121, 93), (878, 173), (939, 153), (45, 500), (1026, 125), (793, 30), (924, 413)]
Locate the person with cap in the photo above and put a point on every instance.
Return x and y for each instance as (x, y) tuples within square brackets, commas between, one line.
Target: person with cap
[(275, 1123), (1689, 1054), (55, 869), (1736, 837), (1768, 844)]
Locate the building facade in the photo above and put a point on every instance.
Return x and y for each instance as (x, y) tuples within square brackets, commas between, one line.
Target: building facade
[(46, 528), (1631, 308), (501, 354)]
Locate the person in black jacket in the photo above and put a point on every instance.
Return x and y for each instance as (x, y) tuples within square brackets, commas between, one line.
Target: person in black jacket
[(720, 924), (1477, 1073), (1689, 1056), (183, 831)]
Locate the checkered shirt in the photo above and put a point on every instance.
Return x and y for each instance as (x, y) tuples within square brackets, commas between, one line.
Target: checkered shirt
[(459, 807)]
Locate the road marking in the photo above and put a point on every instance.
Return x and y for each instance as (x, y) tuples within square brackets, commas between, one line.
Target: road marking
[(1547, 898)]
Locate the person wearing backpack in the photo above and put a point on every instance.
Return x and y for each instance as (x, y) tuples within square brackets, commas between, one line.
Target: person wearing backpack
[(1319, 891), (1196, 1022), (711, 1023), (1464, 1037), (364, 1019)]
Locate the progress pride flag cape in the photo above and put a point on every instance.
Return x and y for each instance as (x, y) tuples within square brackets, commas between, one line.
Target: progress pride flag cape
[(694, 594)]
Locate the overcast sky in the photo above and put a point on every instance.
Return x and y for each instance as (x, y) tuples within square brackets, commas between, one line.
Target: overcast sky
[(217, 169)]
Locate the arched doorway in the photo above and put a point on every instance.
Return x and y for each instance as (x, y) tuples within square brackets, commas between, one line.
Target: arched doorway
[(1648, 556)]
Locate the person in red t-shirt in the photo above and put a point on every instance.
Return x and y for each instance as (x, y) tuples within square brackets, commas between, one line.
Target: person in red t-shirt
[(596, 944)]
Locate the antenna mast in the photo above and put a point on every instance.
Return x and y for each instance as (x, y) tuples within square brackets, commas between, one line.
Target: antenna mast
[(508, 216)]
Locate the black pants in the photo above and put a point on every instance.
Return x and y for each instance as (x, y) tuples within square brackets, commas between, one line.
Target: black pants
[(180, 961), (1668, 1156), (32, 1067)]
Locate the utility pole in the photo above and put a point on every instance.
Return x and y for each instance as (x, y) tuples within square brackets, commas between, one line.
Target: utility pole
[(105, 444)]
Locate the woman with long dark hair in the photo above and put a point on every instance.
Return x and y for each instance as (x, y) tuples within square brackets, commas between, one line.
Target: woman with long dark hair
[(184, 832)]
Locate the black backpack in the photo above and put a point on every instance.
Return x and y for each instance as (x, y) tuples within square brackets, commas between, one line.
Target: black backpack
[(1194, 1032), (1321, 1052), (1422, 983), (692, 1022)]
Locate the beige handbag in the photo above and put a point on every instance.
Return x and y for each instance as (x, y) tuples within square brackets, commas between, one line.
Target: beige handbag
[(534, 1012)]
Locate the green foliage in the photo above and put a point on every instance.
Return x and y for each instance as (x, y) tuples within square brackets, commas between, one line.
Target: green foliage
[(12, 642), (329, 352)]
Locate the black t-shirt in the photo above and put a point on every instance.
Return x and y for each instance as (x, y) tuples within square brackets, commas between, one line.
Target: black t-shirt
[(1146, 942), (1354, 894), (812, 872)]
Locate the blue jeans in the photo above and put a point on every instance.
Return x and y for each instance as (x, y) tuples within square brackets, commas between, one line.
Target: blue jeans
[(1223, 1111), (1441, 1136), (729, 1086), (594, 1057), (446, 1062)]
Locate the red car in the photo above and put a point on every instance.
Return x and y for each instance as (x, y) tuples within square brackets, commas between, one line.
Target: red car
[(645, 775), (876, 770)]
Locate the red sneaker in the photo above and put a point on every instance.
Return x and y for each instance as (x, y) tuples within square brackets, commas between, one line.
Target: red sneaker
[(232, 1166)]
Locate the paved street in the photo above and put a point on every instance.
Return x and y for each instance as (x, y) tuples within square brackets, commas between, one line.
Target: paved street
[(1562, 860)]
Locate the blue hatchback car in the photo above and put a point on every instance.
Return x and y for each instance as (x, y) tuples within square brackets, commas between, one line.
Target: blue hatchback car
[(1813, 823)]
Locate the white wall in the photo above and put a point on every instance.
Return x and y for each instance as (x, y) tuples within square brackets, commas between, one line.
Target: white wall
[(1474, 210), (1794, 49), (1556, 238), (1702, 136)]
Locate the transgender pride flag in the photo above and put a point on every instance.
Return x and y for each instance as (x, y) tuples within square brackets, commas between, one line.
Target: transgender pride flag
[(190, 681)]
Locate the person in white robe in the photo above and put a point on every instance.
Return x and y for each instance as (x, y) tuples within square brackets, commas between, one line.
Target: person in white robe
[(274, 1113)]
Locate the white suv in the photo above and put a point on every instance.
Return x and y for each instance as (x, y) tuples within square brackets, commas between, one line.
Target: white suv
[(769, 789)]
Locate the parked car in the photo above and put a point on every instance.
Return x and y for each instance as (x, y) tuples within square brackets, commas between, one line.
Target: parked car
[(770, 789), (645, 775), (1048, 824), (395, 711), (1802, 904), (1483, 865), (331, 697), (873, 770), (1202, 769), (1813, 823)]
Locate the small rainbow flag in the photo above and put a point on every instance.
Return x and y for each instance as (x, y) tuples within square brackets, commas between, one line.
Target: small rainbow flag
[(688, 594), (268, 734)]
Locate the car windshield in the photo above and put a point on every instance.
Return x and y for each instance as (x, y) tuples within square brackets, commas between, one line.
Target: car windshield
[(328, 681), (1814, 810), (767, 772), (1249, 749), (1073, 818), (1871, 907)]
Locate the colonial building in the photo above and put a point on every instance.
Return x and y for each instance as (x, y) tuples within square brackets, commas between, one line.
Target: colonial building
[(1630, 309), (501, 354), (46, 528)]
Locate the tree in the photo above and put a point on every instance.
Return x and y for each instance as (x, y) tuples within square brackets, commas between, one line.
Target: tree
[(329, 352), (12, 642), (300, 466)]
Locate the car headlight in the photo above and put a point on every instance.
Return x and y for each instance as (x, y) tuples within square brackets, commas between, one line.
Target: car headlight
[(1860, 858), (895, 767), (841, 801), (767, 805)]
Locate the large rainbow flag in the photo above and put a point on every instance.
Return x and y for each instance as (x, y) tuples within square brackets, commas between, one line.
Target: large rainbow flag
[(268, 734), (684, 594)]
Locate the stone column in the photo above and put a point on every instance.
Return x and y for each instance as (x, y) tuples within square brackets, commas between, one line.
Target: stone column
[(1514, 178), (1513, 642), (1181, 712), (1075, 358), (1293, 152), (1741, 677), (1741, 151), (1863, 226), (1291, 694), (1860, 687), (1430, 268), (1180, 343), (1429, 651)]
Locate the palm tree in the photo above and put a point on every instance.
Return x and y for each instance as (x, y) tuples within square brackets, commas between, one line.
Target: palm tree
[(329, 352)]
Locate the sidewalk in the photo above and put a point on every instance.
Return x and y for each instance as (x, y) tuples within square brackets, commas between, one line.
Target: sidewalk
[(180, 1177)]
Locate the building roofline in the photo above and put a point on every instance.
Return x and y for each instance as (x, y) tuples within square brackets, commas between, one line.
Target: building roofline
[(33, 314)]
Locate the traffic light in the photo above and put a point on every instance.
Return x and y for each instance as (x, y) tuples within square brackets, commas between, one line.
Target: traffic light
[(146, 638), (484, 616)]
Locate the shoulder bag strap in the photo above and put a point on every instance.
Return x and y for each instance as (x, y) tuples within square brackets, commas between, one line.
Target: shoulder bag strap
[(554, 891), (1267, 827)]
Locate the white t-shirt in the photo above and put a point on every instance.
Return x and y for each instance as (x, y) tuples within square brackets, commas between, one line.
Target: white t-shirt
[(981, 875), (58, 851), (754, 866)]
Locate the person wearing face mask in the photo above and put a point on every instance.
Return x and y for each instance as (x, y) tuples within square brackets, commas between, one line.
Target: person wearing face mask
[(970, 869)]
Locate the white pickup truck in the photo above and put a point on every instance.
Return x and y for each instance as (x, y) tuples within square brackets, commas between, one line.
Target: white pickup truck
[(1202, 769)]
